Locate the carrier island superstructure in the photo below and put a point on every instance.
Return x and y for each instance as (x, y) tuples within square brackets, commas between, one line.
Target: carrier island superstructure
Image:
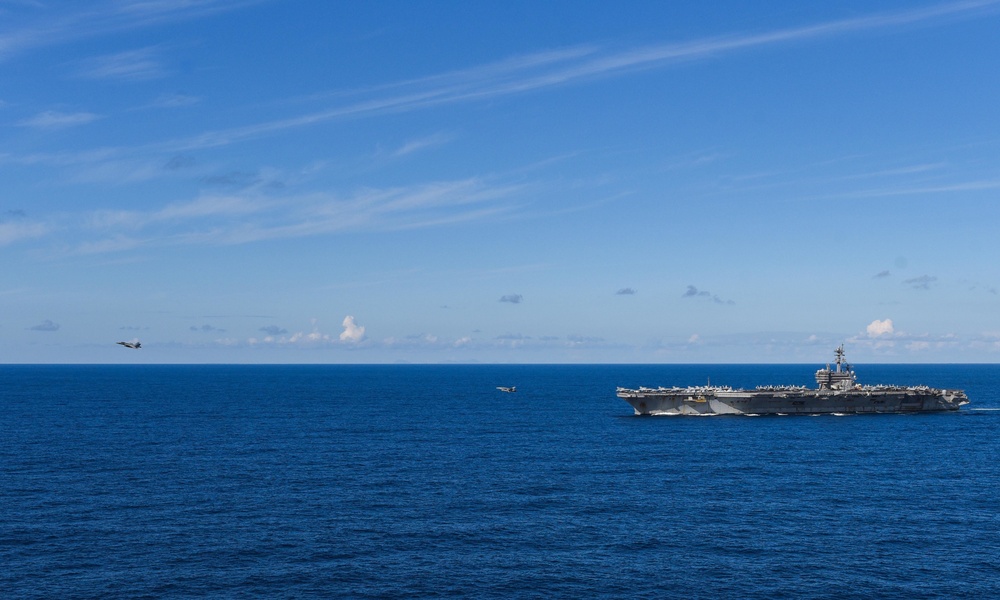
[(837, 392)]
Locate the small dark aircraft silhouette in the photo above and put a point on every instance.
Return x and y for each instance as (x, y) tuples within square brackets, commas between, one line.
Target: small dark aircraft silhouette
[(133, 345)]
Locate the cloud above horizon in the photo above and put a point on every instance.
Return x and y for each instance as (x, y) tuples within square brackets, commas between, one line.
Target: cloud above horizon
[(880, 328), (693, 292), (314, 186), (923, 282), (353, 333), (45, 325)]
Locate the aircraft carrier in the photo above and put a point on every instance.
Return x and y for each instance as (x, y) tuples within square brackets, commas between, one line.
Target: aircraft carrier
[(837, 393)]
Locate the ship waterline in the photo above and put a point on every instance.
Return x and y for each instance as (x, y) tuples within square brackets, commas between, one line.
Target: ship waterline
[(837, 393)]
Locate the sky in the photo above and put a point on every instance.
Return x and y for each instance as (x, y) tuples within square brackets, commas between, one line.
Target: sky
[(253, 181)]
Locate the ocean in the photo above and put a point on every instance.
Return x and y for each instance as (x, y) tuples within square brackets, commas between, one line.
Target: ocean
[(411, 481)]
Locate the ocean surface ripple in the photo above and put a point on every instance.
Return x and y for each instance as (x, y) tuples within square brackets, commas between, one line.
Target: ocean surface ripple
[(425, 481)]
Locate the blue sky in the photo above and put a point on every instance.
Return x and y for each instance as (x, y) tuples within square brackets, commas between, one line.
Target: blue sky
[(516, 182)]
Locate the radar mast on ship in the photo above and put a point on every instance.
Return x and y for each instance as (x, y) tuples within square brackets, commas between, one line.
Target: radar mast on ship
[(840, 378)]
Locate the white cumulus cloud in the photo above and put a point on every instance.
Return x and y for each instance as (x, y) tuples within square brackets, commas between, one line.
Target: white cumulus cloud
[(878, 328), (353, 332)]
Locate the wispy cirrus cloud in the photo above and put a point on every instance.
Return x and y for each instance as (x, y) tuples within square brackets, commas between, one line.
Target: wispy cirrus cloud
[(16, 231), (176, 100), (260, 217), (206, 207), (256, 216), (910, 190), (568, 66), (262, 210), (38, 25), (52, 119), (133, 65), (515, 75), (416, 145)]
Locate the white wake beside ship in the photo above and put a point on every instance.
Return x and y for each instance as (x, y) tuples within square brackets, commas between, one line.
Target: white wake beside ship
[(837, 393)]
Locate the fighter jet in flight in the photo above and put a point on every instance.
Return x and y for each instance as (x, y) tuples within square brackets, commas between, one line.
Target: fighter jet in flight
[(133, 345)]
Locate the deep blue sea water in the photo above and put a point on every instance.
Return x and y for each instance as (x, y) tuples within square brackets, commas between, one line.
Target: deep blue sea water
[(425, 481)]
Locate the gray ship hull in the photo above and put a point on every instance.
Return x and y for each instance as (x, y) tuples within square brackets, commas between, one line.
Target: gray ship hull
[(838, 393), (709, 401)]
